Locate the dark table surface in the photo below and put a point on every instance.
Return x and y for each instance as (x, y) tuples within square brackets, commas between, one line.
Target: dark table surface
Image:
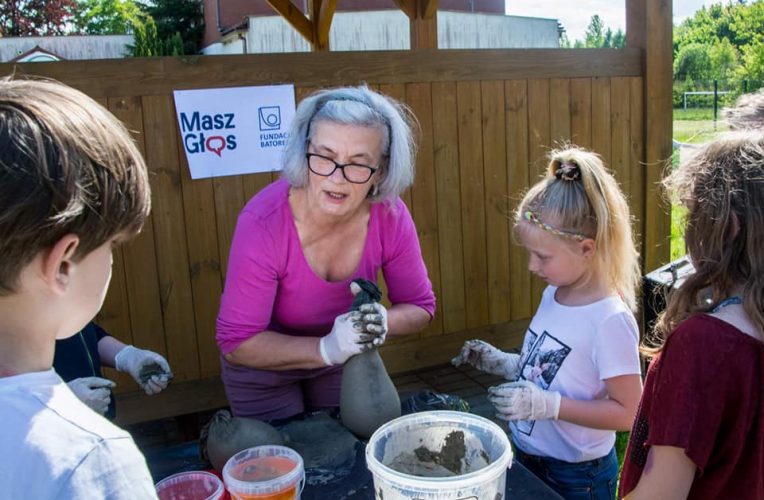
[(355, 483), (358, 483)]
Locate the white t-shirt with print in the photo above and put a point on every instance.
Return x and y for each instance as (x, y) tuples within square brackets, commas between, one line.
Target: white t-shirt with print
[(56, 447), (573, 350)]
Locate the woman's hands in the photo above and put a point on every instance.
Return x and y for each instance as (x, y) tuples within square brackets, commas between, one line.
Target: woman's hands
[(354, 332)]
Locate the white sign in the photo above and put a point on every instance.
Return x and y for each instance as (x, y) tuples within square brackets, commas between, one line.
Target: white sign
[(232, 131)]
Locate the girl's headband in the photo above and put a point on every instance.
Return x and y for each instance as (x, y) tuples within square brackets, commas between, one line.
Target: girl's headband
[(533, 218)]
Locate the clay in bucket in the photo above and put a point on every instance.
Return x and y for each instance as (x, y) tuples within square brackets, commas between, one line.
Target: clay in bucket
[(439, 455)]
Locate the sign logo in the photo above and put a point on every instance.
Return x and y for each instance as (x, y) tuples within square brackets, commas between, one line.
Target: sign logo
[(269, 117)]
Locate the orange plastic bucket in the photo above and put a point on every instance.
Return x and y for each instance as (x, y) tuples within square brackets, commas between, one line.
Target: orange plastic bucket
[(267, 472)]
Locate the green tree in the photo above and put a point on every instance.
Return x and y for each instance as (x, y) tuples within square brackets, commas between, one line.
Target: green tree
[(753, 62), (107, 17), (595, 32), (598, 35), (693, 62), (183, 17), (35, 17), (724, 59)]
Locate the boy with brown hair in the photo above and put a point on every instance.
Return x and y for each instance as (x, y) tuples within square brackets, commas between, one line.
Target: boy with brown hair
[(72, 185)]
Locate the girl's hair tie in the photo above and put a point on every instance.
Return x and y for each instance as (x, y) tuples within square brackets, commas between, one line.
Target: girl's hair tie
[(568, 172)]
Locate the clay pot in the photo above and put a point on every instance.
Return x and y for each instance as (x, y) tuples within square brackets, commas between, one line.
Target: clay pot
[(224, 436), (368, 397)]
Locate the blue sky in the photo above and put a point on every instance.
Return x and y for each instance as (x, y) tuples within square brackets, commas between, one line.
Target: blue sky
[(575, 15)]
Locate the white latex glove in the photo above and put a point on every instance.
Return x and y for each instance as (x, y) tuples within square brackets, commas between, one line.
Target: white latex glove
[(524, 401), (374, 323), (93, 391), (345, 339), (489, 359), (149, 369)]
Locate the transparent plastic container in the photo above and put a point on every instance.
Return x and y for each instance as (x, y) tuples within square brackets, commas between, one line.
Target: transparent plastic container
[(192, 485), (485, 443), (268, 472)]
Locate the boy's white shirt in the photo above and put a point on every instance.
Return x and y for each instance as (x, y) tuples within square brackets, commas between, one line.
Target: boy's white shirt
[(56, 447), (572, 350)]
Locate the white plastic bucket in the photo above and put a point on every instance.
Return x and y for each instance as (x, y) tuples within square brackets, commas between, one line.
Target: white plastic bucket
[(430, 429), (267, 472)]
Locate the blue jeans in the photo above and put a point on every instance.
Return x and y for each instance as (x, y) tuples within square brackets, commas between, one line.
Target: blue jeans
[(590, 480)]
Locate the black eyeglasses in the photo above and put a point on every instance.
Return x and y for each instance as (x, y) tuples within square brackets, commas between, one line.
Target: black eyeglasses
[(353, 172)]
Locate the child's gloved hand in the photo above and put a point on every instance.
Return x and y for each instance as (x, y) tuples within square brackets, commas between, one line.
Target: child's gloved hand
[(374, 321), (524, 401), (489, 359), (95, 392), (149, 369), (345, 339)]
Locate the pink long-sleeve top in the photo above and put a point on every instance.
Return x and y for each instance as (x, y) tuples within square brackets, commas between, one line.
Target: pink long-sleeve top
[(270, 285)]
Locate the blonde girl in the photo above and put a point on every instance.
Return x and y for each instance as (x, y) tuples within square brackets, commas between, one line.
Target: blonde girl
[(577, 379), (699, 432)]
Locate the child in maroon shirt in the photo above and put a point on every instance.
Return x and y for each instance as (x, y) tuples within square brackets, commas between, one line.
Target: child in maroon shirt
[(699, 431)]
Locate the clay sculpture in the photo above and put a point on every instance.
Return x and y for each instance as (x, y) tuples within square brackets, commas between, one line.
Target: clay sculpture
[(224, 436), (368, 397)]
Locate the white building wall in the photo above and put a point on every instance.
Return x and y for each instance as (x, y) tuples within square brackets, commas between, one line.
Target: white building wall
[(69, 47), (389, 30), (458, 30)]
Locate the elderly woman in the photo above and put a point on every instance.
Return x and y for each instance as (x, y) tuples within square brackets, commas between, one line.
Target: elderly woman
[(284, 329)]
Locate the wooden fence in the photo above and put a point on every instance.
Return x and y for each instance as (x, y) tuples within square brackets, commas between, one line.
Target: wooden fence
[(488, 118)]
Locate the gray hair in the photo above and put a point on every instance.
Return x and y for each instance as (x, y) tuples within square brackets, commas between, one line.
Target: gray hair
[(363, 107)]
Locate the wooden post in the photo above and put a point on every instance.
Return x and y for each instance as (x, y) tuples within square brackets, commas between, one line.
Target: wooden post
[(423, 22), (657, 61), (314, 28)]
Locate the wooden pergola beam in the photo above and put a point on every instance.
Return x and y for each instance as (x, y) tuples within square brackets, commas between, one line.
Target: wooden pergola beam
[(427, 8), (321, 14), (316, 27), (409, 7)]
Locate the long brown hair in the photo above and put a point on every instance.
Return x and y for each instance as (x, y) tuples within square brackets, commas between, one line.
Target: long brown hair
[(722, 186)]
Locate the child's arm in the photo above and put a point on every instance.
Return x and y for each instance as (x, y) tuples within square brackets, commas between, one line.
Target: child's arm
[(527, 401), (668, 474), (614, 413)]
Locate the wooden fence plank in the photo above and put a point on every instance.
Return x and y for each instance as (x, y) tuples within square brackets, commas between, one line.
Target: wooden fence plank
[(114, 316), (497, 200), (601, 118), (539, 145), (139, 258), (637, 160), (398, 92), (473, 202), (424, 200), (229, 200), (559, 109), (581, 112), (204, 263), (620, 146), (170, 235), (451, 252), (516, 98)]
